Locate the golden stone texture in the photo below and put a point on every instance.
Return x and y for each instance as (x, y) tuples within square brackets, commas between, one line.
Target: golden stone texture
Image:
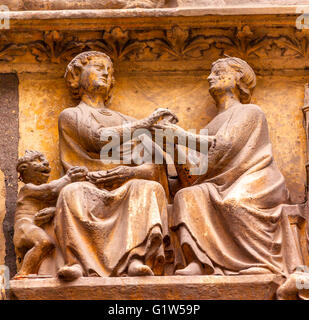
[(41, 101)]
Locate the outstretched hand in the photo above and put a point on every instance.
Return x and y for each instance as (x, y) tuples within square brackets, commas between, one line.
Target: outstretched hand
[(96, 176), (77, 173), (167, 132), (44, 216), (113, 177), (163, 114)]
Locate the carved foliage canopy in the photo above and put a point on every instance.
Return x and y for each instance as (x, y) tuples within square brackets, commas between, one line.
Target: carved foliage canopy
[(176, 43)]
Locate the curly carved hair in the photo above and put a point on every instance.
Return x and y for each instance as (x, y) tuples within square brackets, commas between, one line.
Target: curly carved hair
[(247, 80), (29, 156), (74, 68)]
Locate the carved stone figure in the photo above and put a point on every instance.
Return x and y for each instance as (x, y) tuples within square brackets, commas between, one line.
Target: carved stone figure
[(35, 207), (231, 220), (115, 223)]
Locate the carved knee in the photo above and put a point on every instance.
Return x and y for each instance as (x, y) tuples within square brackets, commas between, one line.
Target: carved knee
[(45, 244)]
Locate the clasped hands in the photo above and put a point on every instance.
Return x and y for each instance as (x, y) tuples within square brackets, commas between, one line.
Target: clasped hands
[(159, 119), (163, 125), (162, 119)]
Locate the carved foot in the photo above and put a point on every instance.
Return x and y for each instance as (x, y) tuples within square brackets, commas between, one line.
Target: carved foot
[(193, 269), (137, 268), (70, 273)]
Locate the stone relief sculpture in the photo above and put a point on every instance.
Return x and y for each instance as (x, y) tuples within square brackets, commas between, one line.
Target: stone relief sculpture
[(114, 223), (111, 219), (231, 220), (36, 206)]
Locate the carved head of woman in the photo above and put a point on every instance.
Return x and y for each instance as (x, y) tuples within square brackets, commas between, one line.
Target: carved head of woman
[(232, 75), (90, 72)]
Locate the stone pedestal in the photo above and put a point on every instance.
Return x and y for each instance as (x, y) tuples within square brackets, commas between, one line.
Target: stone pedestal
[(260, 287)]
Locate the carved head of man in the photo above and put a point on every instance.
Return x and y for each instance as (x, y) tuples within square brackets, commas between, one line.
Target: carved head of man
[(33, 168), (232, 74), (90, 72)]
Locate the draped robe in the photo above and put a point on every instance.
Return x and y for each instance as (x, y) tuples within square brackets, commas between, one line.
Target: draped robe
[(233, 216), (103, 229)]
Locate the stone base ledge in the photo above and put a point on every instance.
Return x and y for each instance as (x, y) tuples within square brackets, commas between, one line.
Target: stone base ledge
[(259, 287)]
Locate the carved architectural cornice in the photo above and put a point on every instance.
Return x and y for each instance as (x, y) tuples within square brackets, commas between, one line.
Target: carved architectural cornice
[(267, 48), (181, 39)]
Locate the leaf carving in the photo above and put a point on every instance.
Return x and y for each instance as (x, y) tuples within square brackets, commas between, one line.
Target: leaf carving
[(55, 47)]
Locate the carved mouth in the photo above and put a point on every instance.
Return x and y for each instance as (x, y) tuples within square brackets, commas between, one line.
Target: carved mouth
[(46, 171)]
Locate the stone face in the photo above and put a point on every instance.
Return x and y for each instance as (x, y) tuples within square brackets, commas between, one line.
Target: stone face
[(260, 287)]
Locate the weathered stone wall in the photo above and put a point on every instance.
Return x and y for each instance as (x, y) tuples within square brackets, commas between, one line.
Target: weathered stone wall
[(9, 137)]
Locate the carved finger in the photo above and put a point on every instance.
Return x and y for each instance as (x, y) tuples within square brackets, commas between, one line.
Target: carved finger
[(106, 180), (113, 173), (43, 212), (72, 169), (158, 126), (78, 169), (77, 176), (96, 174), (42, 220)]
